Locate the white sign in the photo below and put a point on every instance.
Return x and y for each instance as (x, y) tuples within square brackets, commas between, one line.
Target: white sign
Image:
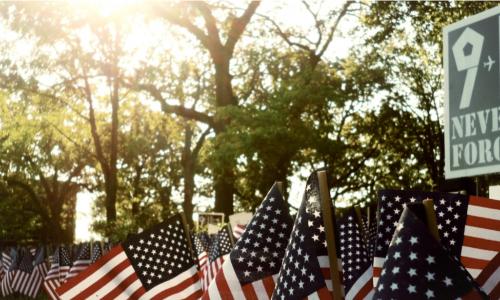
[(472, 95)]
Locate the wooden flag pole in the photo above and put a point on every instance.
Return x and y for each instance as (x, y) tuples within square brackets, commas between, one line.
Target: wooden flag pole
[(279, 184), (326, 205), (231, 237), (431, 218)]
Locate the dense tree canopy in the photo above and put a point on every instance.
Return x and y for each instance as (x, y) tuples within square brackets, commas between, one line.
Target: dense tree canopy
[(154, 106)]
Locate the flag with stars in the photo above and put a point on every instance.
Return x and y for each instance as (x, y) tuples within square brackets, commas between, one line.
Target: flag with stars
[(489, 279), (201, 243), (305, 270), (32, 270), (451, 210), (81, 262), (24, 271), (51, 281), (218, 251), (64, 263), (356, 263), (10, 274), (96, 252), (418, 267), (253, 264), (154, 264)]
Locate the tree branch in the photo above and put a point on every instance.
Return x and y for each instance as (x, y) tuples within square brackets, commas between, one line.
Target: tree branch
[(238, 26), (176, 109)]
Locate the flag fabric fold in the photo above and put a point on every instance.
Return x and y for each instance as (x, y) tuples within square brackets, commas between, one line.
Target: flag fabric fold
[(489, 279), (356, 263), (305, 270), (418, 267), (451, 211), (253, 264)]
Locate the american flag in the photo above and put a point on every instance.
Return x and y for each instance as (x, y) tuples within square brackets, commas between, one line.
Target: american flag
[(4, 264), (31, 273), (8, 278), (482, 234), (81, 262), (356, 263), (220, 247), (155, 264), (451, 210), (201, 242), (238, 231), (489, 279), (418, 267), (255, 261), (51, 281), (64, 263), (24, 270), (305, 270), (96, 252)]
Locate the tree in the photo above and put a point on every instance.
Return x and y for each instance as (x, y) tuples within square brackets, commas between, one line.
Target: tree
[(42, 170), (221, 53)]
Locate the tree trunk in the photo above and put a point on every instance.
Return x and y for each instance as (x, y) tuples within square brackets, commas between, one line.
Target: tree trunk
[(187, 205), (224, 191)]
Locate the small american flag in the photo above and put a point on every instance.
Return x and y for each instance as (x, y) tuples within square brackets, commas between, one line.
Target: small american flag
[(489, 279), (201, 246), (219, 248), (418, 267), (24, 271), (31, 273), (51, 281), (356, 262), (482, 234), (238, 231), (96, 252), (155, 264), (255, 261), (81, 262), (451, 210), (4, 264), (64, 263), (305, 270), (8, 278)]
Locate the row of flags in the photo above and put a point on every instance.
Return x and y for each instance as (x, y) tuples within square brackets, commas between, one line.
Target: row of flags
[(386, 253), (28, 271)]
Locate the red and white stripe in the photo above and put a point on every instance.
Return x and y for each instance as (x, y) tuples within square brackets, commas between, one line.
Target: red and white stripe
[(489, 279), (227, 286), (378, 263), (6, 284), (113, 277), (202, 259), (238, 231), (324, 264), (363, 287), (210, 271), (51, 281), (29, 284), (482, 234)]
